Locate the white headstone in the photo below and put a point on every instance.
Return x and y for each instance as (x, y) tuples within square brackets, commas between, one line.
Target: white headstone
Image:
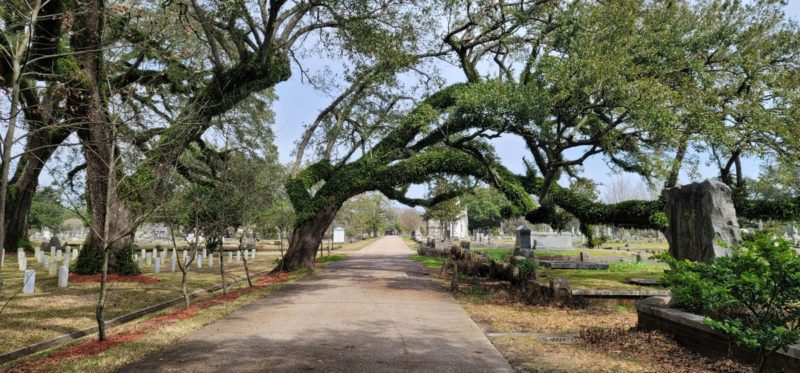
[(52, 251), (230, 257), (29, 284), (67, 258), (40, 257), (46, 261), (157, 266), (59, 255), (205, 253), (23, 263), (148, 258), (172, 260), (63, 276), (238, 256), (52, 270), (199, 261), (254, 253), (142, 253), (211, 260)]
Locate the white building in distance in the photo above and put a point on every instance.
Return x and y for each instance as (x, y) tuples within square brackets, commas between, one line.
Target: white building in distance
[(455, 230)]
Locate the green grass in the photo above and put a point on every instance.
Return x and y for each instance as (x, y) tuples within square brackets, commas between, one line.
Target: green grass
[(638, 245), (330, 258), (612, 278), (497, 255), (430, 262)]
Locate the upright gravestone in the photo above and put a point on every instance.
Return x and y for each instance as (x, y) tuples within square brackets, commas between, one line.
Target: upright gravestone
[(205, 253), (148, 258), (54, 243), (46, 261), (52, 252), (67, 258), (23, 263), (157, 266), (701, 215), (230, 257), (52, 270), (523, 245), (142, 253), (29, 284), (199, 261), (172, 260), (74, 254), (211, 260), (238, 256), (59, 255), (63, 276)]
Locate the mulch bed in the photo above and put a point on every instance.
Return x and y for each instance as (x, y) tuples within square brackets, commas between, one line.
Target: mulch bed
[(94, 347)]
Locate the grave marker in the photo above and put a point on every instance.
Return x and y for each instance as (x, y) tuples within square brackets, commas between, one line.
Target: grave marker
[(157, 266), (230, 257), (63, 276), (23, 263), (199, 261), (172, 260), (29, 284)]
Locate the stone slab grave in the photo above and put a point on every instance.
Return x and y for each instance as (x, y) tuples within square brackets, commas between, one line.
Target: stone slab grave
[(572, 265), (701, 215)]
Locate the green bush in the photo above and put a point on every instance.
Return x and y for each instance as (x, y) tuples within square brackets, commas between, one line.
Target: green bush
[(527, 269), (753, 295)]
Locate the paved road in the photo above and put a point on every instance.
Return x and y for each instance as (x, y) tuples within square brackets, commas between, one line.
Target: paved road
[(375, 311)]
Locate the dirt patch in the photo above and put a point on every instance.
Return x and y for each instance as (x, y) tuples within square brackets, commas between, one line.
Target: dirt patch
[(142, 279), (94, 347)]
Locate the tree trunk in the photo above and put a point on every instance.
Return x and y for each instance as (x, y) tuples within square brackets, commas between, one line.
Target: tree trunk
[(306, 239), (222, 267), (39, 148), (102, 200)]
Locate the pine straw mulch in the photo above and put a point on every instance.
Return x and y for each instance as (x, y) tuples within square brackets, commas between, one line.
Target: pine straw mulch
[(94, 347), (656, 349)]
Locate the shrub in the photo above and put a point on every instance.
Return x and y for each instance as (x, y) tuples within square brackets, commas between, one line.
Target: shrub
[(527, 269), (753, 295)]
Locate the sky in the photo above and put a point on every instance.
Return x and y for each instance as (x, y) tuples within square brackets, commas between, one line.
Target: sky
[(298, 104)]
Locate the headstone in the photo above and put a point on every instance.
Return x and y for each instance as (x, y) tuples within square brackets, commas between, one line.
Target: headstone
[(54, 243), (29, 284), (40, 257), (199, 261), (23, 263), (52, 251), (63, 276), (522, 244), (172, 260), (211, 260), (205, 253), (701, 215), (67, 259), (59, 255), (74, 254), (238, 256), (148, 258), (254, 253), (230, 257), (52, 270), (157, 266), (46, 261), (142, 253)]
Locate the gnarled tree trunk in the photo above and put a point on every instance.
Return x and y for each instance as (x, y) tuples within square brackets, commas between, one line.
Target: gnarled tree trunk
[(306, 238)]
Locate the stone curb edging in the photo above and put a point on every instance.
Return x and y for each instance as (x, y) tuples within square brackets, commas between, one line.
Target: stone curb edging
[(657, 306), (117, 321)]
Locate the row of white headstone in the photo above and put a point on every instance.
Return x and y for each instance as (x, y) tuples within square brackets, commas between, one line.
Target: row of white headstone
[(48, 261), (146, 258)]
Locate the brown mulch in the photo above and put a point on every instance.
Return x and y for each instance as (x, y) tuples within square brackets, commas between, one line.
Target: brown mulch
[(142, 279), (94, 347), (658, 349)]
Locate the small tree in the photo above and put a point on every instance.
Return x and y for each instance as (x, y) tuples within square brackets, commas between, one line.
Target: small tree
[(752, 295)]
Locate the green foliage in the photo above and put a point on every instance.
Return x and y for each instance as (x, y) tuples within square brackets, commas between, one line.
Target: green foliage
[(47, 211), (484, 207), (125, 265), (528, 268), (429, 262), (330, 258), (369, 213), (752, 295)]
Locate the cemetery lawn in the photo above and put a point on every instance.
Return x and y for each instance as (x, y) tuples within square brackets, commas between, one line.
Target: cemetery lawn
[(52, 311), (600, 338), (133, 341), (615, 277), (502, 253)]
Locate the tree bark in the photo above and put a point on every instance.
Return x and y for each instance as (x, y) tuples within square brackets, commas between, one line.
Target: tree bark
[(40, 147), (306, 239)]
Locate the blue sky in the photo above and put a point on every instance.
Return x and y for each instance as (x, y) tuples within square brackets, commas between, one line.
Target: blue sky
[(299, 103)]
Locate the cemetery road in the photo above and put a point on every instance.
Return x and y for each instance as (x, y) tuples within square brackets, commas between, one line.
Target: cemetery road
[(374, 311)]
